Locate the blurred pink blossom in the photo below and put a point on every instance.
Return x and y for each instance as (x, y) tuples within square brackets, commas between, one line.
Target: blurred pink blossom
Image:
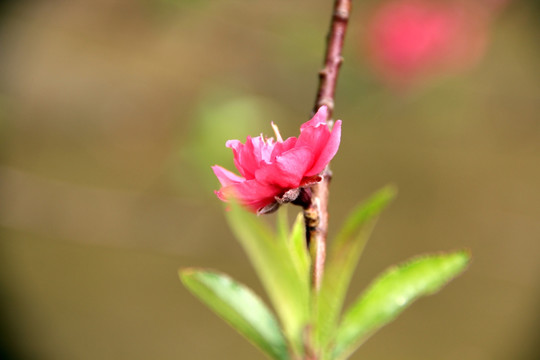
[(273, 171), (411, 39)]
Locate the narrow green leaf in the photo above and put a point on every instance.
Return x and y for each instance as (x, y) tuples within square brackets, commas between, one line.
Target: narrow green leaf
[(239, 307), (342, 259), (274, 264), (296, 243), (299, 250), (282, 218), (391, 293)]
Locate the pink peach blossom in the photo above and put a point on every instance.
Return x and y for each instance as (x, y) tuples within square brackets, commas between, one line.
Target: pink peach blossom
[(273, 171), (410, 39)]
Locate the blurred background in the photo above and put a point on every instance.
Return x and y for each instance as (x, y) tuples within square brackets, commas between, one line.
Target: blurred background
[(113, 111)]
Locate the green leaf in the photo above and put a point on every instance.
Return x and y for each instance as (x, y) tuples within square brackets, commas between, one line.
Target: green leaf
[(240, 307), (296, 242), (271, 258), (341, 261), (298, 249), (282, 217), (391, 293)]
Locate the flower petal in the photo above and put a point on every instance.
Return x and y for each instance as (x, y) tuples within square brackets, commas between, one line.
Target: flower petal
[(287, 170), (225, 176), (264, 147), (318, 119), (328, 152), (281, 147), (251, 193), (315, 138), (245, 159)]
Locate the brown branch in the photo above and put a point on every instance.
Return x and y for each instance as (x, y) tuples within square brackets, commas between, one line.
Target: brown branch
[(316, 214), (333, 59)]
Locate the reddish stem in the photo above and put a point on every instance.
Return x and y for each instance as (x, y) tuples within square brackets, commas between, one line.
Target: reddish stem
[(316, 214), (333, 59)]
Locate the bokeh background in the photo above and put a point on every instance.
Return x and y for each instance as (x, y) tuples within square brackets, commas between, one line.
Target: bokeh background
[(113, 111)]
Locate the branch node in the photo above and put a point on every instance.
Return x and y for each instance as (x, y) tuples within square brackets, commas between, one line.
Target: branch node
[(341, 15)]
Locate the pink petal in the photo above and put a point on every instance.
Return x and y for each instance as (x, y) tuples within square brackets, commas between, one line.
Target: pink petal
[(226, 177), (250, 193), (245, 158), (314, 138), (318, 119), (264, 149), (287, 170), (328, 152), (234, 144), (282, 147)]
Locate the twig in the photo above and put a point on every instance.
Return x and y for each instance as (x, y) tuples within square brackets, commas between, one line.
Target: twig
[(333, 59), (316, 214)]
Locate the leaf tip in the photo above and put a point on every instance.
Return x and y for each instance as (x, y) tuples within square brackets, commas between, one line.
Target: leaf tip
[(385, 195), (463, 258), (187, 274), (390, 190)]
